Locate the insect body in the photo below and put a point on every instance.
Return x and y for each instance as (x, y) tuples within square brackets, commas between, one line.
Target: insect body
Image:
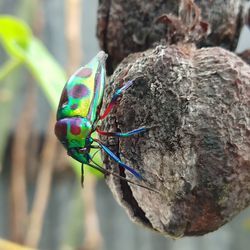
[(78, 115)]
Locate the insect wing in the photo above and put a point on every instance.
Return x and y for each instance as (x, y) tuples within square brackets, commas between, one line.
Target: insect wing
[(82, 94), (99, 84)]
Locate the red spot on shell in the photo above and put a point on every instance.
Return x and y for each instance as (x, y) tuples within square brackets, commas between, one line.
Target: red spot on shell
[(75, 130), (75, 127), (79, 91), (85, 72)]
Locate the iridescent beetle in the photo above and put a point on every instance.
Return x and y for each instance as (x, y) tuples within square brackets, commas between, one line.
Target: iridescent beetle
[(78, 115)]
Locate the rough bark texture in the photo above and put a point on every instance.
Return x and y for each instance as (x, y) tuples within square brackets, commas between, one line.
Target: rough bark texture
[(245, 55), (128, 26), (197, 153)]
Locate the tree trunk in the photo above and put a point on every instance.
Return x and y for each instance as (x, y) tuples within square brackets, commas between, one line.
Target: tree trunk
[(196, 106), (129, 26), (196, 154)]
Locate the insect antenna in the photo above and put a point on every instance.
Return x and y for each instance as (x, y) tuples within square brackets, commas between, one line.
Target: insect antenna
[(106, 172), (82, 175), (97, 151)]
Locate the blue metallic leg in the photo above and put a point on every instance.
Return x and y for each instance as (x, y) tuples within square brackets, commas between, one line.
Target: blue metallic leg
[(82, 174), (126, 134), (116, 159), (107, 172)]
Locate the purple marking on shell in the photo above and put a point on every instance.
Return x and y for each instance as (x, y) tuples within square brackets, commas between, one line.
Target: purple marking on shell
[(61, 129), (74, 106), (85, 72), (79, 91)]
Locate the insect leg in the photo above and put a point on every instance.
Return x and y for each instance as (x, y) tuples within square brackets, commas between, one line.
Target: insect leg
[(94, 146), (115, 97), (82, 174), (107, 172), (115, 158), (127, 134)]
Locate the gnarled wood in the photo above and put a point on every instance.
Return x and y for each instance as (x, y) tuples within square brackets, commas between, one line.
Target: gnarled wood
[(129, 26), (198, 152)]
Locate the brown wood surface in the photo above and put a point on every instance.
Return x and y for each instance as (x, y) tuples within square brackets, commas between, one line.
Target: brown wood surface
[(129, 26), (197, 102)]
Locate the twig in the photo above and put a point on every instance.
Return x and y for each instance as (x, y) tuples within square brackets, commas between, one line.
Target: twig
[(73, 31), (32, 162), (43, 187), (93, 237), (20, 152), (8, 245)]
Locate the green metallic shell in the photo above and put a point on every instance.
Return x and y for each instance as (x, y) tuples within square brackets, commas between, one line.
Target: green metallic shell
[(73, 131), (83, 93)]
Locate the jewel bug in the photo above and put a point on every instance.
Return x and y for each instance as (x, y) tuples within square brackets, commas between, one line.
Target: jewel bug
[(78, 116)]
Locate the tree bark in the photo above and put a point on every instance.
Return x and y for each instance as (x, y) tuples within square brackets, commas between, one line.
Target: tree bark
[(196, 154), (126, 27), (196, 104)]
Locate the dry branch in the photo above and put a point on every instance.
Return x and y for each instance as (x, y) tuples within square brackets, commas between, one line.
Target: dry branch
[(43, 186), (93, 237), (73, 31), (18, 195), (198, 155), (123, 29), (197, 152)]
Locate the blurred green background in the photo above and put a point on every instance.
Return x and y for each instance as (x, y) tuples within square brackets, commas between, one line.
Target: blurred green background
[(42, 203)]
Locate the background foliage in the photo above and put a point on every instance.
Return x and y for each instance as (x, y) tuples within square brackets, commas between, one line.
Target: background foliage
[(36, 177)]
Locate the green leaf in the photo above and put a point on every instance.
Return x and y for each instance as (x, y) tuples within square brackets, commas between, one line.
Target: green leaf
[(8, 67), (46, 71), (21, 45), (15, 36)]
